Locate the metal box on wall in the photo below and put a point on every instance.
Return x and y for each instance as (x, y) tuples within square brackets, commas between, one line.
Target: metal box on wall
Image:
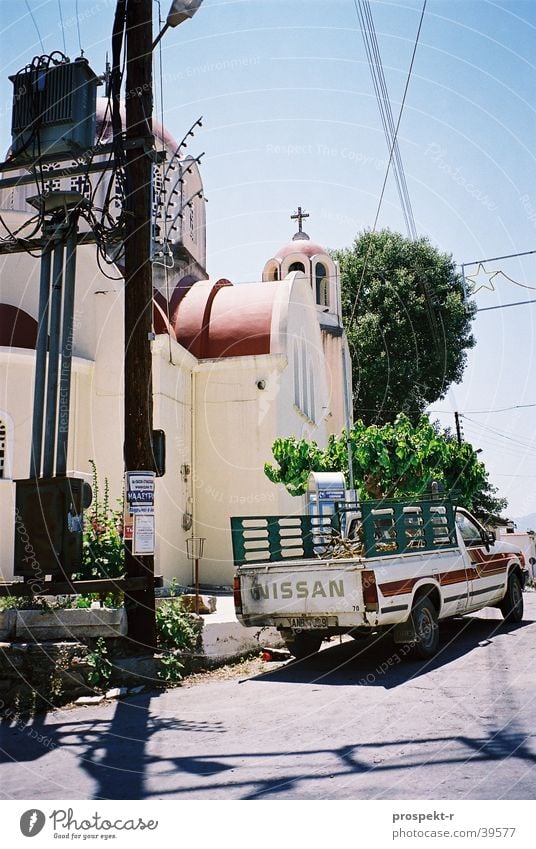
[(53, 109), (48, 526)]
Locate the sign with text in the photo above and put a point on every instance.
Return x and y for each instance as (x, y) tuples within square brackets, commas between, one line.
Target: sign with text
[(143, 538), (140, 493)]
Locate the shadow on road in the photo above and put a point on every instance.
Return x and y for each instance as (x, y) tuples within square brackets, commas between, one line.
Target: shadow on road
[(112, 751), (119, 754), (131, 751), (377, 661)]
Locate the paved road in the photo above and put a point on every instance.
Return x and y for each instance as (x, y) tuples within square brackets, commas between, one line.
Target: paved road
[(348, 723)]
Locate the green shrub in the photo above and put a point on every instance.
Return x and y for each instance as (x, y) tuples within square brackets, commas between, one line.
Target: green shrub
[(101, 667), (176, 631), (103, 550)]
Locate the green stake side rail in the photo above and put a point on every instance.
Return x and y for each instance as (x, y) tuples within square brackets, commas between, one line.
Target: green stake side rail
[(387, 528)]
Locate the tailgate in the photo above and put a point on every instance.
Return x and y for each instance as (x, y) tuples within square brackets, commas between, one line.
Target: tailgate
[(301, 590)]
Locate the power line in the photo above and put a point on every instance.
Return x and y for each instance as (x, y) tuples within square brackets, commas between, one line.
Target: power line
[(508, 475), (499, 409), (62, 27), (395, 135), (35, 25), (492, 443), (384, 104), (78, 28), (502, 434), (504, 306)]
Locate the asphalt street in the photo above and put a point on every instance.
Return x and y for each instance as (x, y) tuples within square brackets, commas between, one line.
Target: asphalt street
[(355, 721)]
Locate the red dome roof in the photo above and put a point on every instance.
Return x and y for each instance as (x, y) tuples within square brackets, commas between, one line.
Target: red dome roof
[(300, 246), (104, 133), (222, 320)]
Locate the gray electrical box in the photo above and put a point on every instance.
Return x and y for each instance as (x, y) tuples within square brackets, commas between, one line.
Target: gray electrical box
[(48, 526), (53, 108)]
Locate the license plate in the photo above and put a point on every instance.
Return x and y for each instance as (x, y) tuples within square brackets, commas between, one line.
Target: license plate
[(309, 623)]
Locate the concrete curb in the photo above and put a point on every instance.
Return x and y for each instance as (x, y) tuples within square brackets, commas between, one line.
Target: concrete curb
[(76, 624), (224, 641)]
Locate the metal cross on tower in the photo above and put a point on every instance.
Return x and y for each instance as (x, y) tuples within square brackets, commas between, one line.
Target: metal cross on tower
[(299, 216)]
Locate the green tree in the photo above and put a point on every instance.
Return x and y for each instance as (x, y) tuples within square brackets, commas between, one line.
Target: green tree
[(407, 324), (396, 459)]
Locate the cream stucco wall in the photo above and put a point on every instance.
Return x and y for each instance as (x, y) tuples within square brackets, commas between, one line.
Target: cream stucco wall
[(338, 375), (172, 392), (235, 426), (242, 404), (17, 368)]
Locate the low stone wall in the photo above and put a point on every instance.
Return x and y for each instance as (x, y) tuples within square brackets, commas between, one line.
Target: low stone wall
[(37, 676), (8, 620)]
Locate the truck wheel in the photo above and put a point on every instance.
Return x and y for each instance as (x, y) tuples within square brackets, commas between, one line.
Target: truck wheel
[(511, 606), (304, 645), (426, 629)]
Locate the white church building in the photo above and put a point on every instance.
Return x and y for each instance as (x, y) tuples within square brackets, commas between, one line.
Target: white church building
[(234, 367)]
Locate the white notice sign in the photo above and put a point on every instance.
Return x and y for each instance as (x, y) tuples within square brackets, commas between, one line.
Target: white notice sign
[(140, 492), (143, 537)]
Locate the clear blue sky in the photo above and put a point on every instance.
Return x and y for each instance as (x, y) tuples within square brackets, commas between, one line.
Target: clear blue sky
[(290, 118)]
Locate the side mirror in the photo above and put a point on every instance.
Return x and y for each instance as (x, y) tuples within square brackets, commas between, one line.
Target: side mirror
[(488, 538)]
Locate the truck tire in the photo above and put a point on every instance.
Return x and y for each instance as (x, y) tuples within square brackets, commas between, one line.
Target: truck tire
[(304, 645), (511, 606), (426, 629)]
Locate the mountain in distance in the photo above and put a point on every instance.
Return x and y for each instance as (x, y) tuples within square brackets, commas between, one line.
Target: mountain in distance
[(526, 523)]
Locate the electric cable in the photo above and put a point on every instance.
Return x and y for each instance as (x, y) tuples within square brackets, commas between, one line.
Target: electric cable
[(372, 48), (500, 409), (35, 25), (78, 29), (505, 306), (380, 201), (62, 27), (502, 434)]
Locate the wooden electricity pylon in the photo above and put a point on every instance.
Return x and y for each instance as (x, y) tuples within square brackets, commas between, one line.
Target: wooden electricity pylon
[(138, 411)]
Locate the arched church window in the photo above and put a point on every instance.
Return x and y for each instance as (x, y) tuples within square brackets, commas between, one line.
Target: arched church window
[(273, 273), (322, 285), (297, 266), (297, 394), (3, 448), (304, 405), (312, 411)]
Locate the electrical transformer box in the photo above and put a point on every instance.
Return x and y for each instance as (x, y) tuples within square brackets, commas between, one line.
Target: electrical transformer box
[(48, 526), (53, 108)]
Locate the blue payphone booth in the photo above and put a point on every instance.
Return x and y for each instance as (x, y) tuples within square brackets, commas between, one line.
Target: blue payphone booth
[(324, 491)]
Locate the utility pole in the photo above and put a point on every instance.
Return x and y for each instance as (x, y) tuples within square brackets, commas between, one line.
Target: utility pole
[(458, 427), (138, 415)]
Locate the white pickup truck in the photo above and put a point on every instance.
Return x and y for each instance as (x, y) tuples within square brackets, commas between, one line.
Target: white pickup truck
[(402, 566)]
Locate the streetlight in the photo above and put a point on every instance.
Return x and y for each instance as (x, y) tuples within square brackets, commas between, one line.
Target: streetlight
[(180, 11), (194, 548)]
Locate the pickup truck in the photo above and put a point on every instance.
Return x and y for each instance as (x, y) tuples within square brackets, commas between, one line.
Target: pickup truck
[(402, 566)]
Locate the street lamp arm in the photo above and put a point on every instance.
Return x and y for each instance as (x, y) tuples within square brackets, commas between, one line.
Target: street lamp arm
[(159, 36), (180, 11)]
